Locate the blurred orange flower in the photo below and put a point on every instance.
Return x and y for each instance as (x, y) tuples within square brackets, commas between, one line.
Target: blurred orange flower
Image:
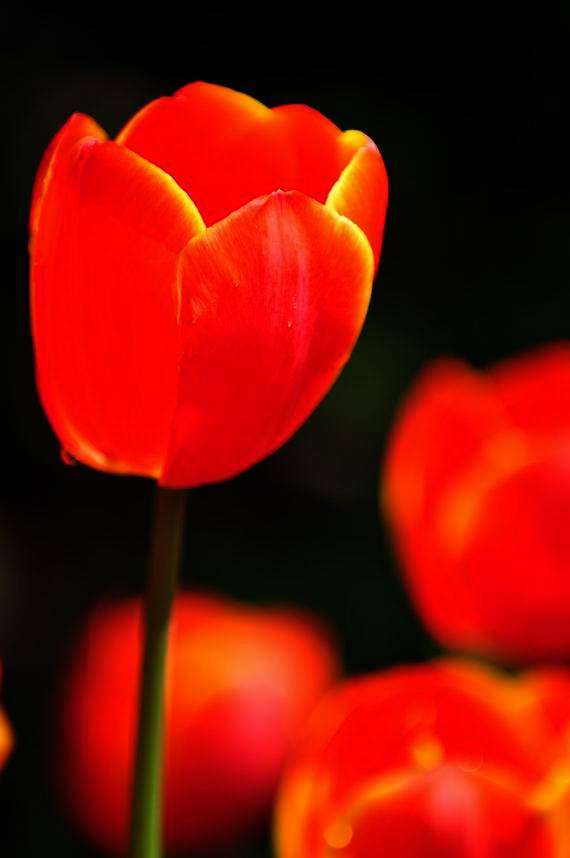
[(477, 489), (239, 683), (198, 283), (439, 761), (6, 735)]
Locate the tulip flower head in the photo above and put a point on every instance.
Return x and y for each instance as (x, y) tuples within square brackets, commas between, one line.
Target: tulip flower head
[(438, 761), (477, 490), (198, 283), (240, 682)]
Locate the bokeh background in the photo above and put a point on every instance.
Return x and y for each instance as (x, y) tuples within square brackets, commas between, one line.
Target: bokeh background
[(468, 110)]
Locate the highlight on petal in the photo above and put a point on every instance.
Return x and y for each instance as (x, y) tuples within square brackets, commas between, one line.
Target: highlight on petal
[(272, 300), (226, 149), (361, 191), (104, 302)]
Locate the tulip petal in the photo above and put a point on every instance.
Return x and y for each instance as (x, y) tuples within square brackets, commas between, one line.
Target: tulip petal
[(520, 545), (535, 390), (226, 149), (77, 126), (239, 685), (451, 712), (548, 691), (431, 760), (272, 301), (445, 423), (451, 813), (104, 303), (197, 136), (361, 192), (317, 150), (452, 441)]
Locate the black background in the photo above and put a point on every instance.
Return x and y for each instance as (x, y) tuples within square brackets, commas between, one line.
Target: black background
[(469, 112)]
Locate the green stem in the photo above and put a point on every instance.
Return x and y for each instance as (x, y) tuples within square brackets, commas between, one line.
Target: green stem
[(146, 833)]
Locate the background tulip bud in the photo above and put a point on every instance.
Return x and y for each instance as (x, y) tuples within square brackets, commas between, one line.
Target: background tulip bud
[(240, 682), (432, 761), (199, 283), (477, 490), (6, 735)]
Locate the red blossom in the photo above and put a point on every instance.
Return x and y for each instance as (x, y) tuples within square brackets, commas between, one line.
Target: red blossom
[(199, 283), (240, 682), (477, 489), (440, 761)]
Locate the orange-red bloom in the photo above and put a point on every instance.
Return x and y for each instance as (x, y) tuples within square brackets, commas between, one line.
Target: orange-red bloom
[(477, 488), (6, 735), (198, 284), (239, 684), (439, 761)]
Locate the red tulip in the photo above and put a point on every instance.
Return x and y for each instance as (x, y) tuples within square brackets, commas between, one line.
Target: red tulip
[(438, 761), (239, 684), (6, 735), (477, 488), (198, 284)]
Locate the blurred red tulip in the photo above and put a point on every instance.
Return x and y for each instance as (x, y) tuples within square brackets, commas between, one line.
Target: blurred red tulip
[(6, 735), (477, 489), (439, 761), (239, 684), (198, 284)]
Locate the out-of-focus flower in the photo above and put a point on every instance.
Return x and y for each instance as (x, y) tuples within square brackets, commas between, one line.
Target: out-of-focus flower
[(438, 761), (240, 682), (477, 489), (198, 283), (6, 735)]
